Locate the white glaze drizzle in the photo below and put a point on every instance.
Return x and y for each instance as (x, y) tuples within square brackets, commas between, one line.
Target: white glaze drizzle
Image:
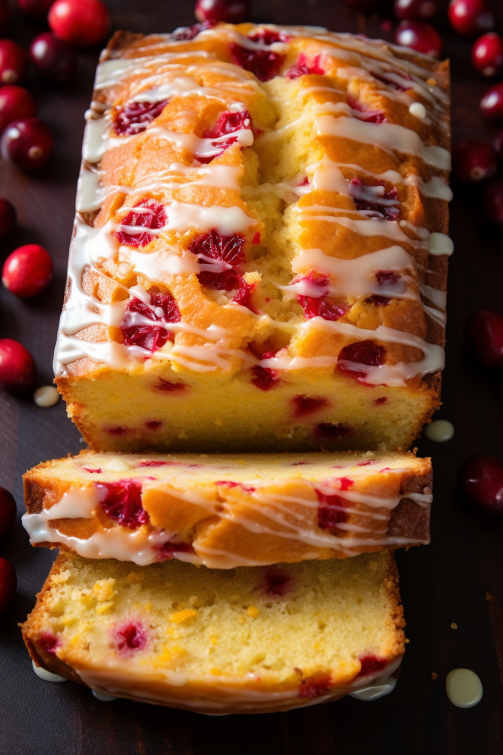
[(154, 86), (141, 546)]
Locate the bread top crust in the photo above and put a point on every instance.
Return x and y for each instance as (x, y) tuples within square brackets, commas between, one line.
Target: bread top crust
[(287, 218), (206, 641), (224, 511)]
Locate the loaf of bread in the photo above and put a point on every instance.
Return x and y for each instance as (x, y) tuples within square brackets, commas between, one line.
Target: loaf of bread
[(227, 511), (259, 256), (247, 640)]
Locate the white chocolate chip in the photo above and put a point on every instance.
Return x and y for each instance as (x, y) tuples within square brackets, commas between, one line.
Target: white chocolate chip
[(464, 688), (440, 430), (46, 396), (117, 465), (440, 243), (418, 109)]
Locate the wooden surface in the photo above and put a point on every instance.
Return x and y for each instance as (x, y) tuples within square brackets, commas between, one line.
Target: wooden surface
[(443, 583)]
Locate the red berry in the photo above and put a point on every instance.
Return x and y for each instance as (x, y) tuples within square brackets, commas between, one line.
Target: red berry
[(7, 218), (27, 143), (487, 54), (470, 17), (230, 11), (17, 368), (134, 117), (265, 64), (331, 511), (52, 57), (27, 271), (15, 103), (492, 203), (474, 161), (7, 511), (481, 480), (419, 9), (276, 582), (130, 637), (35, 8), (121, 502), (419, 36), (79, 22), (491, 103), (13, 62), (484, 337), (8, 584), (145, 325)]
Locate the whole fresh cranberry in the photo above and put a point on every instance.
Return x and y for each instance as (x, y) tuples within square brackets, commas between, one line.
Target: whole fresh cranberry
[(8, 584), (27, 271), (419, 36), (79, 22), (15, 103), (7, 218), (52, 57), (491, 103), (473, 161), (481, 481), (484, 337), (487, 54), (13, 62), (471, 17), (230, 11), (422, 10), (17, 368), (27, 143), (7, 511), (35, 8), (492, 203)]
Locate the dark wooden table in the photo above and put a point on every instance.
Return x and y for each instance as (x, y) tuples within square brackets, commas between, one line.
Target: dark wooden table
[(444, 583)]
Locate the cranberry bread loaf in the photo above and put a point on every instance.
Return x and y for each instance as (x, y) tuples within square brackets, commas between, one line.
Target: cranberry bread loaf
[(259, 257), (246, 640), (227, 511)]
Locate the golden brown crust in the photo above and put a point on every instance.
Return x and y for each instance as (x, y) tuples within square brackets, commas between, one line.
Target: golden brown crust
[(239, 520), (127, 163)]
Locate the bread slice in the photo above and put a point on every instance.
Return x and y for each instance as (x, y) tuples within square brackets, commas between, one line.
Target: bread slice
[(259, 260), (246, 640), (225, 511)]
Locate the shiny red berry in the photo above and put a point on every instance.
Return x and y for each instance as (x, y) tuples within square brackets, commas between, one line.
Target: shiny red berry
[(52, 57), (15, 103), (35, 8), (7, 511), (17, 368), (481, 481), (230, 11), (8, 584), (484, 337), (13, 62), (419, 36), (492, 203), (471, 17), (27, 271), (473, 161), (487, 54), (422, 10), (7, 218), (491, 103), (27, 143), (79, 22)]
